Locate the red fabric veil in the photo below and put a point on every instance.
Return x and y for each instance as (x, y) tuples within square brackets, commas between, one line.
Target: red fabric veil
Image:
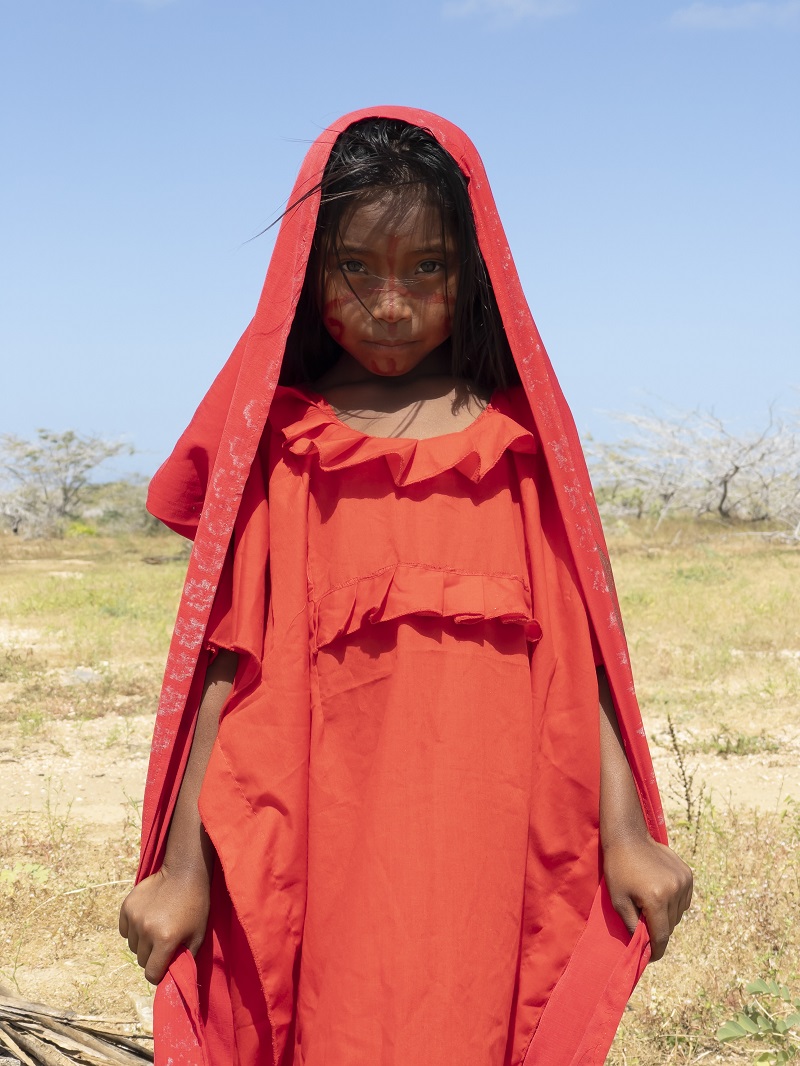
[(198, 493)]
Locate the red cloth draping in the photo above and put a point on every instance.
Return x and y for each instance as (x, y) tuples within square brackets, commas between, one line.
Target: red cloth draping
[(222, 487)]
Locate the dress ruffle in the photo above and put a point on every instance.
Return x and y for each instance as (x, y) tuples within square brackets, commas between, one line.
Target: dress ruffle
[(412, 589), (310, 425)]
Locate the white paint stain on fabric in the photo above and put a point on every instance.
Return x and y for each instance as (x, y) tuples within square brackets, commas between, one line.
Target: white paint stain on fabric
[(599, 583), (199, 595), (253, 413), (560, 450)]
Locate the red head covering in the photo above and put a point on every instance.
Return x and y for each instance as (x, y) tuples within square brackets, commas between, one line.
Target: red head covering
[(198, 491)]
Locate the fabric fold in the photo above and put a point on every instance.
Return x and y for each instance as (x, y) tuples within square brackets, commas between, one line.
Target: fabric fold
[(406, 589), (474, 451)]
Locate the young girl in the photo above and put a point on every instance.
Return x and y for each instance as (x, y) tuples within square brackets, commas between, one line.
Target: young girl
[(400, 810)]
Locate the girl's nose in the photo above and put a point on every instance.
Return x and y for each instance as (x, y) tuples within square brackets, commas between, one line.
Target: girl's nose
[(392, 303)]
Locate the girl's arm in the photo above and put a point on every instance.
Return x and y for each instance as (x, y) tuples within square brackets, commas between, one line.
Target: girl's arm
[(169, 909), (643, 877)]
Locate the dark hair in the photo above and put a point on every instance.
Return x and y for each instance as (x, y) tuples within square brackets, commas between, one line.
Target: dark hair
[(388, 154)]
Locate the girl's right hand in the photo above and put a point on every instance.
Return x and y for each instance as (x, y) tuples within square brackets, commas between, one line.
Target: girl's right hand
[(163, 913)]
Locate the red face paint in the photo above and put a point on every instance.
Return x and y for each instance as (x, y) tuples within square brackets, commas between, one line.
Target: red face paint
[(334, 326), (385, 300), (388, 367)]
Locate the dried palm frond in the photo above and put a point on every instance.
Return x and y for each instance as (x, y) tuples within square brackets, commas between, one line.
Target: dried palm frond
[(34, 1035)]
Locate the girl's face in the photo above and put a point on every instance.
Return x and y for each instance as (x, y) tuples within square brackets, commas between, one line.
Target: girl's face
[(390, 284)]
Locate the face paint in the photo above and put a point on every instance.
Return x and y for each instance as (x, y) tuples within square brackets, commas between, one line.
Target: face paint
[(388, 368), (333, 324), (385, 299)]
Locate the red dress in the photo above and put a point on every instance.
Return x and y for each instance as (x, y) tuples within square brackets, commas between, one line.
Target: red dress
[(406, 568), (420, 619)]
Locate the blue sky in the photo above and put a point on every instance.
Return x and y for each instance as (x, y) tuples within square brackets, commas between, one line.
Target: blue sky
[(645, 157)]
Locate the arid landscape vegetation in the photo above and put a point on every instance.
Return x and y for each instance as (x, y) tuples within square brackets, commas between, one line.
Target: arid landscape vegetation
[(712, 620)]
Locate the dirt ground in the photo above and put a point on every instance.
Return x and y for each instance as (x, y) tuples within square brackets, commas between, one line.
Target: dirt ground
[(72, 767), (762, 780), (96, 768)]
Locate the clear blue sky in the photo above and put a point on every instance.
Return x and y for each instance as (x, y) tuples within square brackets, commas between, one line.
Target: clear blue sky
[(645, 157)]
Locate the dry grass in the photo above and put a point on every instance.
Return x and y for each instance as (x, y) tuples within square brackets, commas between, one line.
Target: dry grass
[(83, 632), (713, 626), (712, 623), (59, 898), (85, 604)]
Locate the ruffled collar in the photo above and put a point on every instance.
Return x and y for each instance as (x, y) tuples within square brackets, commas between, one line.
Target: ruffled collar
[(309, 425)]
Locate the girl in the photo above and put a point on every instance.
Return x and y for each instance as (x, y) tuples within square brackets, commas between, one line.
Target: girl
[(400, 805)]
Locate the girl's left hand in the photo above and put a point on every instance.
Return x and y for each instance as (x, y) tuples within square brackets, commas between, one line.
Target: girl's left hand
[(647, 879)]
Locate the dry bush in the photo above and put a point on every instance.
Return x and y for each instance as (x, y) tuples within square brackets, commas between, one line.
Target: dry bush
[(44, 482), (693, 463)]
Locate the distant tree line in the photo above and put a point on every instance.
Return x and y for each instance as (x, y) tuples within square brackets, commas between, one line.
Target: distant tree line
[(48, 486), (686, 464), (695, 464)]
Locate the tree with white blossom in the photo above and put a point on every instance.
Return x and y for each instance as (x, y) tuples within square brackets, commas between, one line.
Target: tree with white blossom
[(44, 481), (694, 463)]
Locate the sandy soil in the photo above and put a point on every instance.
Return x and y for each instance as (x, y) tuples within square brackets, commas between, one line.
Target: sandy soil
[(95, 770), (764, 780)]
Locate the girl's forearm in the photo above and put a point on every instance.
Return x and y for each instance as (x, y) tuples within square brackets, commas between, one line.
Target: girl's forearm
[(169, 908), (189, 850), (621, 815), (644, 878)]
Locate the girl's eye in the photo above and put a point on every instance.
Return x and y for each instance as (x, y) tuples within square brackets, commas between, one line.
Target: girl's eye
[(351, 266), (429, 266)]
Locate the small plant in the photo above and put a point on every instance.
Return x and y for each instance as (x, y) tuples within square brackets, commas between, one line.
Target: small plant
[(17, 665), (689, 795), (778, 1026), (30, 721), (727, 742), (56, 818), (19, 872)]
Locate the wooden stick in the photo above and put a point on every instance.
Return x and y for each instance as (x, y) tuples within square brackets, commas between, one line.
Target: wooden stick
[(25, 1026), (45, 1056), (113, 1054), (6, 1039)]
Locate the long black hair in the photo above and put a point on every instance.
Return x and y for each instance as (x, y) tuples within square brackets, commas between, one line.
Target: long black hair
[(380, 154)]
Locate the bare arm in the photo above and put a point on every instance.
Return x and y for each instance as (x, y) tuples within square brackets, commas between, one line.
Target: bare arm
[(643, 876), (170, 908)]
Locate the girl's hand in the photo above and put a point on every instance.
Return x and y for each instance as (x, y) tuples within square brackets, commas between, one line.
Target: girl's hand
[(162, 913), (648, 879)]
